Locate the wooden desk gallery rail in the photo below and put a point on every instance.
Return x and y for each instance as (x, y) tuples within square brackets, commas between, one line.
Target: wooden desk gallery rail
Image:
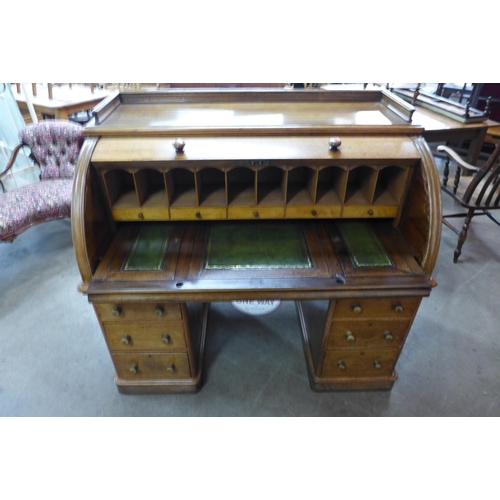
[(181, 196)]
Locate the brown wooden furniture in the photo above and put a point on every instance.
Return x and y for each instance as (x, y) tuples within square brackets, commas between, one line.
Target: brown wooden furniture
[(479, 194), (440, 128), (62, 105), (182, 198)]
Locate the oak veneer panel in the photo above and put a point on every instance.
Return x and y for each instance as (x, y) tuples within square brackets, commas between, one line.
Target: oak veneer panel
[(138, 311), (151, 366), (152, 151), (369, 333), (145, 336), (360, 363), (377, 308)]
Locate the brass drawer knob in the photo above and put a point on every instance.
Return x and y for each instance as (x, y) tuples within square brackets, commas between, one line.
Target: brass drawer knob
[(198, 215), (256, 214), (171, 368), (377, 364), (134, 368), (388, 336), (116, 311), (166, 338), (159, 310), (397, 307), (314, 213), (340, 365), (356, 308), (350, 336), (126, 339)]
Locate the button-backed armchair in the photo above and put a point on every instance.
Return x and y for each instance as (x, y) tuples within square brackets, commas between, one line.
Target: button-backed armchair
[(479, 194), (55, 146)]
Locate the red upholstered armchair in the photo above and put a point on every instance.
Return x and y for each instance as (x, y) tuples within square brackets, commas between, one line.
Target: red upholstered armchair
[(55, 146)]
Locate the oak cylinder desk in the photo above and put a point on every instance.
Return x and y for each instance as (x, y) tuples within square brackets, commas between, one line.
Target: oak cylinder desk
[(183, 198)]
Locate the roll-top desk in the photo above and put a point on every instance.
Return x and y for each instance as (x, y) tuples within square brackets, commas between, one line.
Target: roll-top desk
[(183, 198)]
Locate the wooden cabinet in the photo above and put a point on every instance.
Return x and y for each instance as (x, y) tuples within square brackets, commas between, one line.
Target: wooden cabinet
[(161, 232)]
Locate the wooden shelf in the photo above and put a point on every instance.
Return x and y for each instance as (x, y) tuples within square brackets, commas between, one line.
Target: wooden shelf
[(248, 193)]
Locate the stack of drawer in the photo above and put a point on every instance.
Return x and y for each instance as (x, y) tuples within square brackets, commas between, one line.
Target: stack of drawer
[(366, 336), (147, 340)]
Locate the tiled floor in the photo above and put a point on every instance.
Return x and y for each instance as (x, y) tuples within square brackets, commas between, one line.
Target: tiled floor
[(54, 362)]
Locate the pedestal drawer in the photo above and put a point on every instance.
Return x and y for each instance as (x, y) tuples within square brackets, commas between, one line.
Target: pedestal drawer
[(138, 311), (386, 307), (145, 336), (369, 363), (142, 366), (370, 333)]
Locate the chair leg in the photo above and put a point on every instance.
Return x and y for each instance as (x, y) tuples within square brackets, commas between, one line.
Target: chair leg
[(463, 235)]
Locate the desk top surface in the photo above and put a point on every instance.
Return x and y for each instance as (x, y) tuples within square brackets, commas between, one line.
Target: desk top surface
[(245, 112), (210, 261)]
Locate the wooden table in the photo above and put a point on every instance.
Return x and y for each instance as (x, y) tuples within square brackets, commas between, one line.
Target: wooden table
[(493, 134), (441, 128), (65, 102)]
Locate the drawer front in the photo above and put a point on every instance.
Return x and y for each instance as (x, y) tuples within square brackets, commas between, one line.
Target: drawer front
[(142, 366), (313, 211), (368, 211), (198, 213), (369, 363), (394, 308), (256, 213), (140, 214), (145, 336), (138, 311), (358, 334)]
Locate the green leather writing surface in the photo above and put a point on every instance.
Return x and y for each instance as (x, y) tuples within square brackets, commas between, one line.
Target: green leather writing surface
[(365, 249), (257, 245), (149, 249)]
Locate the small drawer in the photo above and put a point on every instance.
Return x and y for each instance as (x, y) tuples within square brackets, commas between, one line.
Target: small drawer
[(142, 366), (356, 334), (138, 311), (145, 336), (198, 213), (395, 307), (313, 211), (360, 363), (370, 211), (256, 213)]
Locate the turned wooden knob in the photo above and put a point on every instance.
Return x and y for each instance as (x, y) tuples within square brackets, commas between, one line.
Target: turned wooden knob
[(340, 365), (171, 368), (388, 336), (166, 338), (398, 307), (126, 339), (356, 309), (116, 311), (377, 364), (350, 336), (134, 368), (159, 310)]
